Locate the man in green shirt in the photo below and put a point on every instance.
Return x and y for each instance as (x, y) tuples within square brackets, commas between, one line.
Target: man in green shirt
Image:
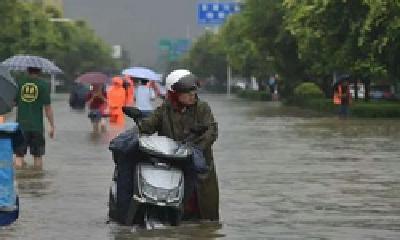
[(33, 96)]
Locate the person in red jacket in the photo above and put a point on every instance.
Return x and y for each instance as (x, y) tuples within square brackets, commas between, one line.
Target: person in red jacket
[(97, 100)]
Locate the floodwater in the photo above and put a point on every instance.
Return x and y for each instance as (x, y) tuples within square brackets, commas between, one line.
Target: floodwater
[(284, 173)]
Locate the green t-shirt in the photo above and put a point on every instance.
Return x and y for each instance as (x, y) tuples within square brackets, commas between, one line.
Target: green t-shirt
[(33, 95)]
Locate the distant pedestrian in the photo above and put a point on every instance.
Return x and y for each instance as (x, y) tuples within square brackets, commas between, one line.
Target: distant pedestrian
[(345, 99), (116, 100), (337, 92), (129, 87), (33, 97), (271, 84), (2, 119), (156, 87), (97, 100), (144, 95)]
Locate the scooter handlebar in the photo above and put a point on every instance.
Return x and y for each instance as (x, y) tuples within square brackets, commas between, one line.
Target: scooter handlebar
[(133, 113)]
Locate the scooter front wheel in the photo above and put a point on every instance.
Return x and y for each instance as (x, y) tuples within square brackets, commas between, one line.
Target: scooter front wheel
[(175, 216), (149, 218)]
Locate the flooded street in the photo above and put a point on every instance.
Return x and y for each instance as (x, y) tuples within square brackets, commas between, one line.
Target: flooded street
[(284, 173)]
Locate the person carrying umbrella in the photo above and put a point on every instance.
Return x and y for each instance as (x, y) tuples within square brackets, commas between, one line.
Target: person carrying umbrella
[(129, 87), (97, 100), (96, 97), (342, 96), (8, 91), (32, 98), (144, 95)]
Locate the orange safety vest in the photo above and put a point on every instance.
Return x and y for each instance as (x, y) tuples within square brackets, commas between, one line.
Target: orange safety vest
[(116, 100), (337, 96)]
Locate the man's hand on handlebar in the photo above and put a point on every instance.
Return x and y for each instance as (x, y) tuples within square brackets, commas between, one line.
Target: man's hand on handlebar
[(132, 112)]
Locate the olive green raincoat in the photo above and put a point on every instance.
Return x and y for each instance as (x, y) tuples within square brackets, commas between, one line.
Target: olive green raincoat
[(177, 125)]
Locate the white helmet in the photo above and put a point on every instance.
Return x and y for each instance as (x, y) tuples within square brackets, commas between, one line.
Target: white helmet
[(175, 76)]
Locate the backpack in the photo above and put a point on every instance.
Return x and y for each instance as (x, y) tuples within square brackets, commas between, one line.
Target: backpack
[(77, 97)]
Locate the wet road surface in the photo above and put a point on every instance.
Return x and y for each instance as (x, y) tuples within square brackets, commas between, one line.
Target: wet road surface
[(284, 173)]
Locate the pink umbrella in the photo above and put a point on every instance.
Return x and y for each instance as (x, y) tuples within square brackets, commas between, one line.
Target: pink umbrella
[(92, 78)]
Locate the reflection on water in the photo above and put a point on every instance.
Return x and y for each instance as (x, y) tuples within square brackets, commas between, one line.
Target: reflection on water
[(32, 182), (284, 173), (185, 231)]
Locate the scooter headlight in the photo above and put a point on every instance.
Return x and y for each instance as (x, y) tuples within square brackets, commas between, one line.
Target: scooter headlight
[(159, 194)]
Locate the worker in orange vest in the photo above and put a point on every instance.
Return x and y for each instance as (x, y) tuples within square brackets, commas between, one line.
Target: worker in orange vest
[(337, 95), (342, 97), (117, 98)]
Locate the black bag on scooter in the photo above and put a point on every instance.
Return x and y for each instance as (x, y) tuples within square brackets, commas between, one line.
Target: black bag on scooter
[(124, 149), (125, 143)]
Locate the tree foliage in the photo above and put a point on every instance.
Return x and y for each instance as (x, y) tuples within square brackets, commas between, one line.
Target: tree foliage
[(305, 40), (207, 57), (241, 51), (73, 46), (265, 26), (308, 90)]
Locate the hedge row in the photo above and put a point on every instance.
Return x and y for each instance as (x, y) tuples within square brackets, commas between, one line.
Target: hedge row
[(372, 109), (252, 94), (376, 109)]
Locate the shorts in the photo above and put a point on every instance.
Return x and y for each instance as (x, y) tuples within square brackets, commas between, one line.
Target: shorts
[(36, 143)]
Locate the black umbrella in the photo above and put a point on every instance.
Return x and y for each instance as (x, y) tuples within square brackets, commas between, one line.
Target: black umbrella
[(8, 90)]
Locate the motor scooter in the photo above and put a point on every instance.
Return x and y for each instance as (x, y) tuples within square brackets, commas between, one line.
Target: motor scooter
[(148, 185)]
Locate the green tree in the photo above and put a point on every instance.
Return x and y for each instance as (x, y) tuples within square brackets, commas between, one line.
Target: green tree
[(82, 50), (345, 36), (207, 58), (242, 53), (265, 26), (74, 47), (380, 35)]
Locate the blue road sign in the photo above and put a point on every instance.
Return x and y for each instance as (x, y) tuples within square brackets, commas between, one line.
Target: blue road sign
[(216, 13)]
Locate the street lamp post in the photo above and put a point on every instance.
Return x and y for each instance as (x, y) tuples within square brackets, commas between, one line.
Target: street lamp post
[(53, 76), (213, 14), (53, 83), (228, 77)]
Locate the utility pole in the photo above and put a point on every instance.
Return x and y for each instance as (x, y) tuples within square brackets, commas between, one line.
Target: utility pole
[(53, 76), (228, 77)]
